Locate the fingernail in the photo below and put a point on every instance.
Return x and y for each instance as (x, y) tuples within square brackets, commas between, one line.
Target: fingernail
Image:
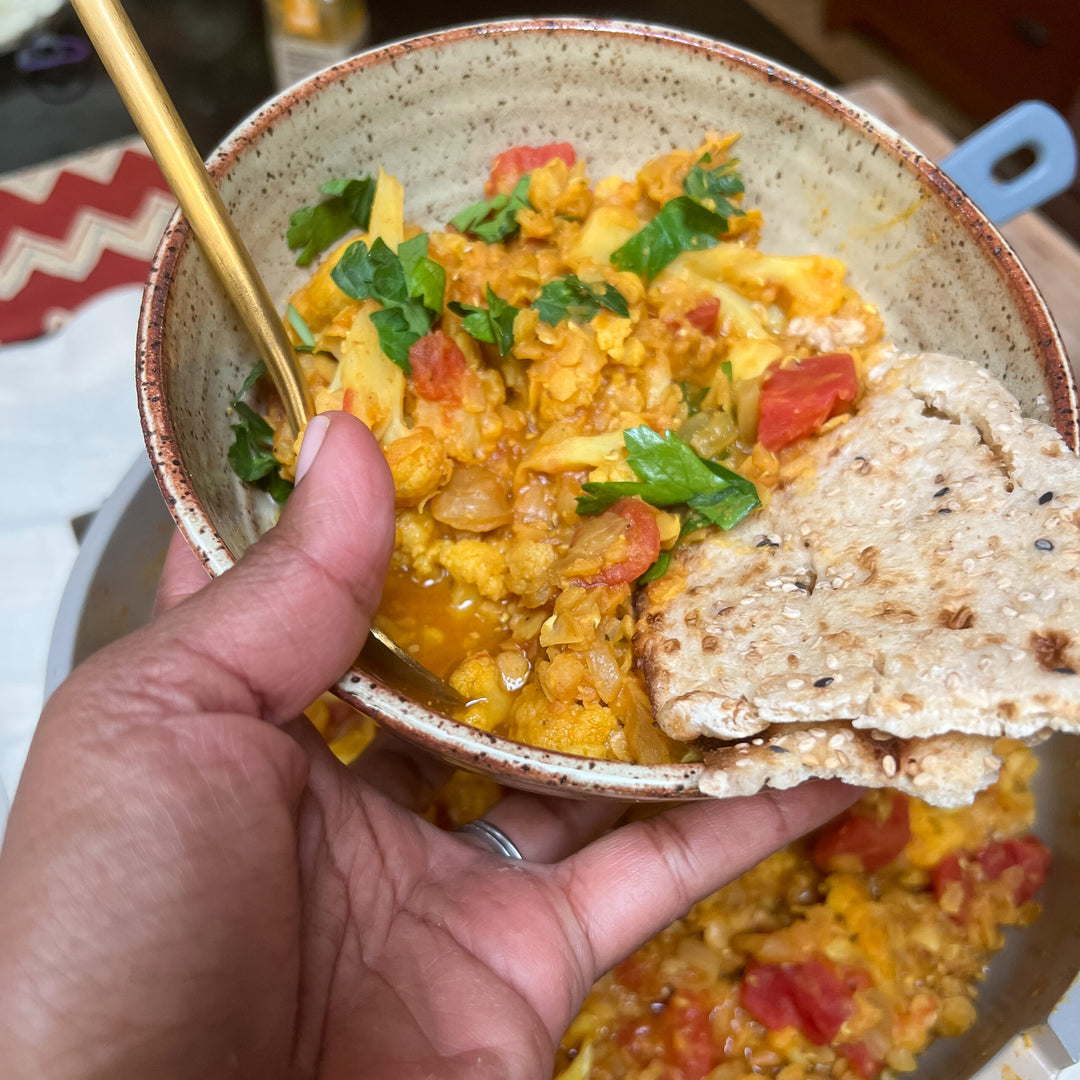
[(314, 434)]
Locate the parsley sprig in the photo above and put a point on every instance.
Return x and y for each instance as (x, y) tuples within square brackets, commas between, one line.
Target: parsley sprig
[(690, 222), (493, 220), (493, 324), (315, 228), (571, 298), (251, 454), (408, 284), (670, 474)]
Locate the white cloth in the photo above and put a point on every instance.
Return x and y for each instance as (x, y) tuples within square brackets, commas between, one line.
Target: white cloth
[(69, 430)]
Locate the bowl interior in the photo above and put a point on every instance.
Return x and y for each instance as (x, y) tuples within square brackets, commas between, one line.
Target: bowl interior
[(433, 112)]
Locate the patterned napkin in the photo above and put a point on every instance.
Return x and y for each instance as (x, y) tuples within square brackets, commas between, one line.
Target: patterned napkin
[(74, 228)]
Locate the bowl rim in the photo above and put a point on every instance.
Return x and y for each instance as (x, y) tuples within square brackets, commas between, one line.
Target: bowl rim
[(517, 763)]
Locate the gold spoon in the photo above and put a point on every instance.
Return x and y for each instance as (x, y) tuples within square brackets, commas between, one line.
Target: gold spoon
[(125, 59)]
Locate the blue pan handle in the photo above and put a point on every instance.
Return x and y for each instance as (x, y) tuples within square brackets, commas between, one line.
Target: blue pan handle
[(1031, 124)]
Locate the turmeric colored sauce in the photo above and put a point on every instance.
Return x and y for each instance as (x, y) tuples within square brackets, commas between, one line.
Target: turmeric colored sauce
[(435, 623)]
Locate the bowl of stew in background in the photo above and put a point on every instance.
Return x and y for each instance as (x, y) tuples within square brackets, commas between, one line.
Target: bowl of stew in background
[(434, 111)]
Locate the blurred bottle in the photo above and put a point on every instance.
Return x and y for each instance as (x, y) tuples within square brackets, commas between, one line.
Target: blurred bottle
[(306, 35)]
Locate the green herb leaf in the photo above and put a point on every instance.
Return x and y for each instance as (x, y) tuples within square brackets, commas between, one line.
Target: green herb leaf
[(495, 219), (681, 225), (726, 368), (251, 454), (711, 187), (570, 298), (658, 568), (408, 284), (307, 338), (315, 228), (424, 277), (257, 372), (669, 474), (493, 324)]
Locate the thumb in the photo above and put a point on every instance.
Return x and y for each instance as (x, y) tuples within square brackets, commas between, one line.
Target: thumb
[(288, 619)]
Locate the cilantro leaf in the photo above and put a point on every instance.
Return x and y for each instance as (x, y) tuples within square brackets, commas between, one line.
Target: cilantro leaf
[(315, 228), (680, 225), (408, 284), (251, 454), (256, 373), (570, 298), (493, 324), (669, 474), (711, 187), (424, 277), (493, 220), (658, 568), (307, 338)]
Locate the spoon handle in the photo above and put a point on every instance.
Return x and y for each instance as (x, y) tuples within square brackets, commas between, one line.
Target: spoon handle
[(125, 59)]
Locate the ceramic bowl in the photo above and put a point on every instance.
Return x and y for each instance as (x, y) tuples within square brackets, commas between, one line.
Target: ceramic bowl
[(433, 111)]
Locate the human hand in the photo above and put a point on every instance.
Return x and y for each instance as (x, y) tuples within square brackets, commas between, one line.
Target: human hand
[(191, 884)]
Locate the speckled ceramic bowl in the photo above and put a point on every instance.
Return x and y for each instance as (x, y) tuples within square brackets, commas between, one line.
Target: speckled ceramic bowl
[(433, 111)]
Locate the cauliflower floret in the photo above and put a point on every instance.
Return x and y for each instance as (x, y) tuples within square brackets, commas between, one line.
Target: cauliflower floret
[(568, 726), (415, 535), (419, 465), (475, 562), (527, 563), (479, 681)]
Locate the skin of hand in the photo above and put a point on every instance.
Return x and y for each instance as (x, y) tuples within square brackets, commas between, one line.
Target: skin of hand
[(191, 885)]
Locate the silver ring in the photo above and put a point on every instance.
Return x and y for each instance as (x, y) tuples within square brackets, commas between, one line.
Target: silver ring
[(492, 837)]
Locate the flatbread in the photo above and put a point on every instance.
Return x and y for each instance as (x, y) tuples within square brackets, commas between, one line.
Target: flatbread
[(916, 571), (945, 770)]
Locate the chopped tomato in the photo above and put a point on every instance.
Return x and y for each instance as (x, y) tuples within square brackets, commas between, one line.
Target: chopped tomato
[(704, 315), (642, 544), (438, 367), (861, 1058), (693, 1049), (796, 401), (511, 165), (859, 841), (810, 996), (989, 863)]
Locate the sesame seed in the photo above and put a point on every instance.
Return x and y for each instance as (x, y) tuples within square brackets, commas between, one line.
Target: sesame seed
[(888, 765), (821, 683), (1064, 671), (1025, 597), (1044, 545), (831, 761), (1009, 611), (831, 662), (774, 583), (922, 779), (766, 542), (779, 749), (1045, 497), (944, 510), (880, 736), (758, 742), (794, 684), (790, 613), (942, 491), (742, 746), (1053, 521), (789, 586), (811, 761), (836, 740), (805, 745), (843, 757), (967, 565), (742, 761), (817, 733)]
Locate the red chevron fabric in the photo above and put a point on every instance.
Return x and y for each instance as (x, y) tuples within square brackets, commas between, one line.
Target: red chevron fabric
[(74, 228)]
